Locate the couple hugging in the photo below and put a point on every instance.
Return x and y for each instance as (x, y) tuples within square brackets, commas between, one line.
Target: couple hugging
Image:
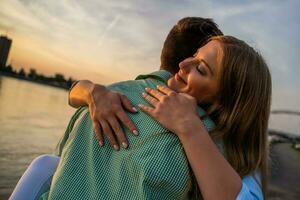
[(196, 129)]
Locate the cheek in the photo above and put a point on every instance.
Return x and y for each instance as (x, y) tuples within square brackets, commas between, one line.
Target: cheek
[(202, 92)]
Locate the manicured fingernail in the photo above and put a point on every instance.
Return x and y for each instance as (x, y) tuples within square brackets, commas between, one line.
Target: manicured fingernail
[(140, 105), (101, 144), (158, 86), (116, 147), (134, 109), (125, 145), (135, 132), (144, 94), (147, 89)]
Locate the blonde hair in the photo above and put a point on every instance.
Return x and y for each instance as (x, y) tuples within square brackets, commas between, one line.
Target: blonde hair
[(243, 108)]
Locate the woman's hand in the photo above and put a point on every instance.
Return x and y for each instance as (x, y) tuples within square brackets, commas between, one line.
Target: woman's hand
[(106, 110), (175, 111)]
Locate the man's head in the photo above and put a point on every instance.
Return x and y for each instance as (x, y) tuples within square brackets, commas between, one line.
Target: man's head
[(184, 39)]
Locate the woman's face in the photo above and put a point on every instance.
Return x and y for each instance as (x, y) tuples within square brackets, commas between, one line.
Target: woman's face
[(198, 75)]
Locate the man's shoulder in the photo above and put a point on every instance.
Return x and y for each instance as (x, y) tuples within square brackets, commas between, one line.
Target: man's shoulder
[(156, 77)]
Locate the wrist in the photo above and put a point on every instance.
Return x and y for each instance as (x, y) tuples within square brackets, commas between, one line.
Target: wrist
[(86, 89), (191, 128), (94, 91), (79, 93)]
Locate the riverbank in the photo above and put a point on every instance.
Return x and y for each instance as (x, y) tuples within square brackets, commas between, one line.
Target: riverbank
[(62, 85)]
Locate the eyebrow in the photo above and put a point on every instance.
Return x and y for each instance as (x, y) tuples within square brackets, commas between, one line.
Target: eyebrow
[(207, 65)]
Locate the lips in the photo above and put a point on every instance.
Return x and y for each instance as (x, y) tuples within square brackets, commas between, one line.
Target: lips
[(178, 78)]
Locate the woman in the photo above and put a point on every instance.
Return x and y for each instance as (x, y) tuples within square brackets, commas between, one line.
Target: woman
[(234, 82)]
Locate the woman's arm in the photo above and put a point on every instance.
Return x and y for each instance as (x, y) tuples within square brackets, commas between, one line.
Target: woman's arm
[(215, 177), (106, 110)]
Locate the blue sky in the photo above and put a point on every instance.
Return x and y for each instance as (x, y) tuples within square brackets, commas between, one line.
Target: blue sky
[(94, 39)]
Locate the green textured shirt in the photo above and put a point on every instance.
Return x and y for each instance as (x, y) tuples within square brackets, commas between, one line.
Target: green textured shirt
[(153, 167)]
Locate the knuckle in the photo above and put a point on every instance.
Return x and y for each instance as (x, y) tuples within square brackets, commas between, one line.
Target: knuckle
[(121, 136), (126, 121), (98, 137), (117, 128), (113, 126), (131, 127), (96, 131), (110, 138), (151, 99)]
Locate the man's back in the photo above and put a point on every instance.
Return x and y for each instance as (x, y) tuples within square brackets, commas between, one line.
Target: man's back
[(153, 167)]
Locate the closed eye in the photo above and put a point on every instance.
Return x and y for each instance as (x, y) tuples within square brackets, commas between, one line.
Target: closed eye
[(201, 69)]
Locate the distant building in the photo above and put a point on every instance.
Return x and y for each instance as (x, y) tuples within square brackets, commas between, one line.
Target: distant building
[(5, 44)]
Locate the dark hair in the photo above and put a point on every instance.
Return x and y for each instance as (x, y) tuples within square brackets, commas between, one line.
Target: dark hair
[(184, 39)]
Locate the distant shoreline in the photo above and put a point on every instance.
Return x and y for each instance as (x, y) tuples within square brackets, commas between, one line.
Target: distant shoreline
[(56, 85)]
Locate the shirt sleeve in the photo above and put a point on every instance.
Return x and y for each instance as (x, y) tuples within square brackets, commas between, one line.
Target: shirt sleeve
[(60, 145), (251, 189)]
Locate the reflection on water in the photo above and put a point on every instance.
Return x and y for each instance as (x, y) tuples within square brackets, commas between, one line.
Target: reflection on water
[(32, 119)]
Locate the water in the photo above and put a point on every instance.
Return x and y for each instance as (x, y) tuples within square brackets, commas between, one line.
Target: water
[(32, 119), (286, 99), (34, 116)]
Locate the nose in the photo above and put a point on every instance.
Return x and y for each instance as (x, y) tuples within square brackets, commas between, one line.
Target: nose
[(187, 64)]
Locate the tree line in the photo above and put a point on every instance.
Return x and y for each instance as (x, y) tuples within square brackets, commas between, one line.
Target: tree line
[(57, 80)]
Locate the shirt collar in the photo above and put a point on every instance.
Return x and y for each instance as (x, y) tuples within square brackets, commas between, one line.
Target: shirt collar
[(161, 75)]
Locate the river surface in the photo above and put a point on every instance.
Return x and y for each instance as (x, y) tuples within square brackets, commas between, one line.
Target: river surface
[(33, 117)]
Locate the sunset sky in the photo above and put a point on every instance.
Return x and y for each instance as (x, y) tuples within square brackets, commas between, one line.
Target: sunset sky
[(109, 41)]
